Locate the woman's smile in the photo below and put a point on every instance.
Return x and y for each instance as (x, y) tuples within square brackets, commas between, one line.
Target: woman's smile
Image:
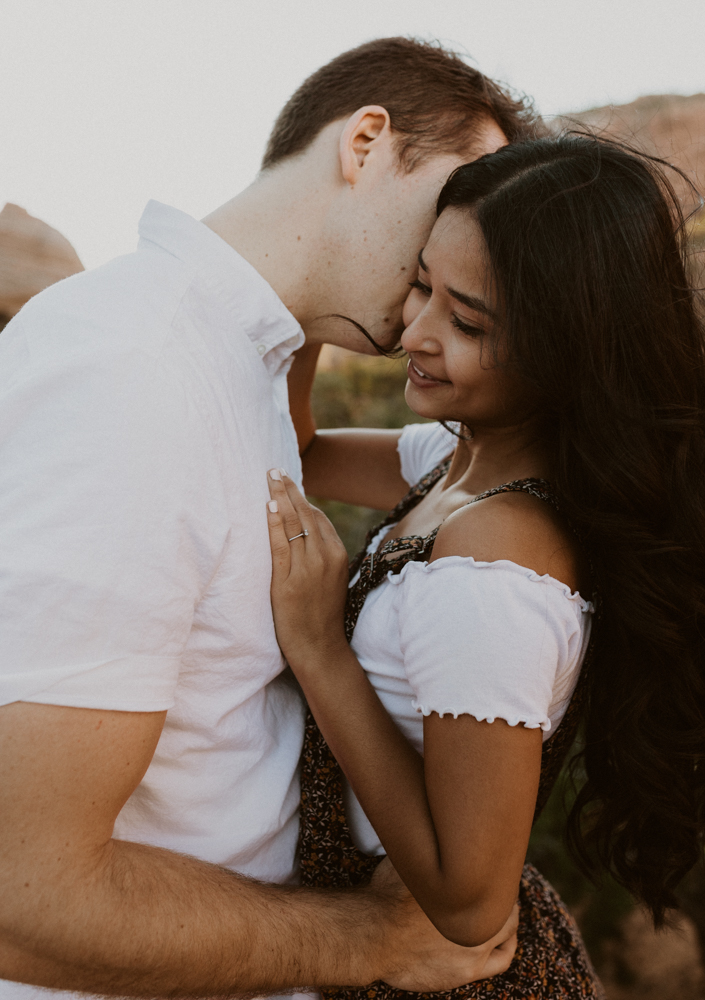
[(422, 379)]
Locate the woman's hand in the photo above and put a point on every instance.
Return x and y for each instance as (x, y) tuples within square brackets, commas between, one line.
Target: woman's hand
[(309, 577), (445, 965)]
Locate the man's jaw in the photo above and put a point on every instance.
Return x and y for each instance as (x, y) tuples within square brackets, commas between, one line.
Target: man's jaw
[(341, 330)]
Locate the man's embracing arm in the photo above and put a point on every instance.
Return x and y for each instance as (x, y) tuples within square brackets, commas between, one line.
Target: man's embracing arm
[(81, 911)]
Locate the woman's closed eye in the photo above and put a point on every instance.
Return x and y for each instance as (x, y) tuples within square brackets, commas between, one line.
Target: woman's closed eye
[(468, 328), (459, 324), (420, 287)]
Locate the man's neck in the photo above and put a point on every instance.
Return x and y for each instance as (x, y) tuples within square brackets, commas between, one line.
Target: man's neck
[(277, 225)]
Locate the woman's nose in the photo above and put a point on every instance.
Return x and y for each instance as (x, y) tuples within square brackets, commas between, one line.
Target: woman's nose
[(418, 336)]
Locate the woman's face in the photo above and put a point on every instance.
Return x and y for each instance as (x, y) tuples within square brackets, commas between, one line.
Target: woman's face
[(453, 333)]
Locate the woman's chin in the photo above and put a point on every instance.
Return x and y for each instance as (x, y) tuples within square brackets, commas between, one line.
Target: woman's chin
[(419, 404)]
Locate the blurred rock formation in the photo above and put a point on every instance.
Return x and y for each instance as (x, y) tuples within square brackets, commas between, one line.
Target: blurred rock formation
[(665, 125), (32, 257)]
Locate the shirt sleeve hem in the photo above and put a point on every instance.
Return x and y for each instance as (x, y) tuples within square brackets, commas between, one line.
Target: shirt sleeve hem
[(133, 683), (102, 704)]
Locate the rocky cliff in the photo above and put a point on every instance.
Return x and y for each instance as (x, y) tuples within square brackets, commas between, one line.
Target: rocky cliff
[(667, 126)]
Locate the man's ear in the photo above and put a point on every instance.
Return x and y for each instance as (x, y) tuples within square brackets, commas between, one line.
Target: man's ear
[(365, 130)]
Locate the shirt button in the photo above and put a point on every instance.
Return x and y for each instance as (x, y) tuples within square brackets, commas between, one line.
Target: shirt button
[(261, 349)]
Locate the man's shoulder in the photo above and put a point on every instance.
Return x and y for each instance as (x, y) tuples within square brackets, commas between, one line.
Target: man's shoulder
[(127, 304)]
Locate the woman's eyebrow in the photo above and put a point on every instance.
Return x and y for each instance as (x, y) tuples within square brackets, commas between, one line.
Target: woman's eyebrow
[(472, 302)]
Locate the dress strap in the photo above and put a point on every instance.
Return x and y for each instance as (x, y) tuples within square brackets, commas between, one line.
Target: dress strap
[(415, 495), (539, 488)]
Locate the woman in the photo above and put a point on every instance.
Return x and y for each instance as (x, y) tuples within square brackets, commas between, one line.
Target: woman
[(553, 322)]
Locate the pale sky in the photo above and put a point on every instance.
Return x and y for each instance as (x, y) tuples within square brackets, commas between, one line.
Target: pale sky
[(107, 103)]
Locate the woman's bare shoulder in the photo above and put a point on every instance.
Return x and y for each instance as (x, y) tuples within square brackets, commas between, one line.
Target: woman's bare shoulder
[(517, 527)]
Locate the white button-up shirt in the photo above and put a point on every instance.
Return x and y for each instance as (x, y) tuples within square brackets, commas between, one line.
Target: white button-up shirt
[(141, 405)]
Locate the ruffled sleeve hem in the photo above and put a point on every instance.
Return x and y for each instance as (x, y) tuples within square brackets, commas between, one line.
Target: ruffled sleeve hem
[(512, 720), (494, 640)]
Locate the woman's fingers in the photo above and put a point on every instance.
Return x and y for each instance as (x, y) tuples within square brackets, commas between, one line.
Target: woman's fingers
[(503, 944), (300, 504), (309, 577), (287, 512), (500, 958), (278, 540), (331, 541)]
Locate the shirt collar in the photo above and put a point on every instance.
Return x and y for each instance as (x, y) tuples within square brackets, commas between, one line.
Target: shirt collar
[(229, 277)]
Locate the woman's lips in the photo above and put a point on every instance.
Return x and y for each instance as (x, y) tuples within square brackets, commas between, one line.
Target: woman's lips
[(420, 379)]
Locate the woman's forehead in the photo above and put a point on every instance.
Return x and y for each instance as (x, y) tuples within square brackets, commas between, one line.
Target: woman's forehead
[(456, 253)]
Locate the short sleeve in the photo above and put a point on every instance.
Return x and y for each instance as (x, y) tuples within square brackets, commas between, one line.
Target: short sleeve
[(110, 528), (421, 447), (492, 640)]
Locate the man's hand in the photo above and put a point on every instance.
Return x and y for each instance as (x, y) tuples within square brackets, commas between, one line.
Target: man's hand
[(81, 911), (421, 960)]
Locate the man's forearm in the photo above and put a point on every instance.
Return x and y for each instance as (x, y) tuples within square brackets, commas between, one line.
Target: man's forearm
[(80, 911), (148, 922)]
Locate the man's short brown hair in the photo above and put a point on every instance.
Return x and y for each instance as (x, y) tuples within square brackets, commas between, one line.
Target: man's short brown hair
[(434, 98)]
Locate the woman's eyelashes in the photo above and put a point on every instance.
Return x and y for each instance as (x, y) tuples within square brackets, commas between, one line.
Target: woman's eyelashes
[(420, 287), (467, 328), (471, 331)]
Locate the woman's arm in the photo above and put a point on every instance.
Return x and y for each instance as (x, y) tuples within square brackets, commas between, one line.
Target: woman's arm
[(355, 465), (300, 383), (455, 823)]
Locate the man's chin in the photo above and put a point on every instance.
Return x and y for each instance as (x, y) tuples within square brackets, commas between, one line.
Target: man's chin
[(358, 343), (365, 347), (352, 334)]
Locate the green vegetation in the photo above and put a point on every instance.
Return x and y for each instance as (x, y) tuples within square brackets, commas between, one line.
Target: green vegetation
[(359, 392)]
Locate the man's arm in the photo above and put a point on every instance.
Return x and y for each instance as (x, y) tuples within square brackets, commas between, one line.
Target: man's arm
[(81, 911)]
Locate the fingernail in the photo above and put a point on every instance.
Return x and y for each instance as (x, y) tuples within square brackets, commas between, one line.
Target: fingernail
[(273, 506), (284, 473), (275, 474)]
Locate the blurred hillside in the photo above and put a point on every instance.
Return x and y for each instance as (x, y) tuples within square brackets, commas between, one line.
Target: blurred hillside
[(673, 128), (666, 125)]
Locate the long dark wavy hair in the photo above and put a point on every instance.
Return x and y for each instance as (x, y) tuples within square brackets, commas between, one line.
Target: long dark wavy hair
[(587, 251)]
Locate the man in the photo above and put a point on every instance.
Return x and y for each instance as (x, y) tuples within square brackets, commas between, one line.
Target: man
[(149, 740)]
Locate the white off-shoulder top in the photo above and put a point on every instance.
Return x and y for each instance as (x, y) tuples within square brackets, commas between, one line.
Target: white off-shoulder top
[(455, 636)]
